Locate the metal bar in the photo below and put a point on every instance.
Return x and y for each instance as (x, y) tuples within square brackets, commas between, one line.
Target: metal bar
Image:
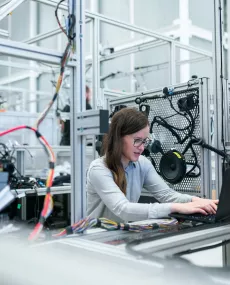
[(22, 90), (172, 63), (217, 94), (144, 70), (226, 255), (4, 33), (78, 174), (226, 110), (25, 66), (96, 64), (8, 8), (43, 36), (49, 34), (22, 50), (42, 191), (127, 51), (53, 3), (20, 161), (206, 170)]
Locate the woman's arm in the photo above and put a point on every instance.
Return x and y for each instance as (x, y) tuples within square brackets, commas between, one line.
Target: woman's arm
[(155, 184), (161, 191)]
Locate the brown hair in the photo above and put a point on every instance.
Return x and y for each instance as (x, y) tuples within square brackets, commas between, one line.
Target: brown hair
[(125, 122)]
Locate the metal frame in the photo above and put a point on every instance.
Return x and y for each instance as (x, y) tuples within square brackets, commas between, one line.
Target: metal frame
[(22, 50), (205, 117), (78, 174), (217, 87)]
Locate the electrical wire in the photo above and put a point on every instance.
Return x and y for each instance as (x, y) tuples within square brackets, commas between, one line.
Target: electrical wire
[(58, 86), (56, 15), (48, 203), (190, 251), (109, 225)]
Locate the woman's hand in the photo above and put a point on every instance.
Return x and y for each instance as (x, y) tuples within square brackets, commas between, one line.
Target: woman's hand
[(210, 206), (198, 205)]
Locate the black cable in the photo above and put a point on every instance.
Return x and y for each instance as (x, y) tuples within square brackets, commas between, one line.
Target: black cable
[(190, 251), (56, 15), (189, 129)]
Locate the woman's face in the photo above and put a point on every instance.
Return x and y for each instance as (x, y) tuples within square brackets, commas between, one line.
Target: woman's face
[(133, 146)]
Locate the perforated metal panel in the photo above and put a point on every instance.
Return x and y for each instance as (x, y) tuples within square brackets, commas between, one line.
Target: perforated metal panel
[(161, 107)]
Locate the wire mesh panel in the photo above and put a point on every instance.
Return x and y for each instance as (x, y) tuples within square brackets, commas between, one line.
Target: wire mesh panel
[(168, 109)]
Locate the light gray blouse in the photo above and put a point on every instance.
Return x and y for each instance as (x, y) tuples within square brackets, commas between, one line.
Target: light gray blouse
[(105, 199)]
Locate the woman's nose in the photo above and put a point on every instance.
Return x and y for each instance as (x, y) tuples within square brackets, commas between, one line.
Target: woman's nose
[(141, 147)]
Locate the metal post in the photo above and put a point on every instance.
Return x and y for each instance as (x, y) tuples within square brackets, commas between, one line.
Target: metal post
[(172, 64), (217, 94), (204, 98), (33, 76), (184, 39), (20, 164), (96, 65), (132, 56), (78, 182), (226, 255), (20, 161)]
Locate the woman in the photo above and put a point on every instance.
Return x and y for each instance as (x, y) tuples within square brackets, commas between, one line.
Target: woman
[(115, 181)]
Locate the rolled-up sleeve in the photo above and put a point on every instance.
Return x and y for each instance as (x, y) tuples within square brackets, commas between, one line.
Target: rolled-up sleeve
[(101, 179), (160, 190)]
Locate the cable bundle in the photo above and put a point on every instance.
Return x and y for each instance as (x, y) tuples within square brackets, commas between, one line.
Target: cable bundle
[(48, 202), (110, 225)]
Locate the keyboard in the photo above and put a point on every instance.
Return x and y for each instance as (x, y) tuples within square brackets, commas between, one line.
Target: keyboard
[(210, 219)]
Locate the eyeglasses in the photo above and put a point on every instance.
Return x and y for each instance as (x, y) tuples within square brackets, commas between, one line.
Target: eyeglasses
[(139, 142)]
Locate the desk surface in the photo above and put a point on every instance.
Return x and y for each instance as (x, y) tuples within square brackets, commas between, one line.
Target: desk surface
[(99, 256)]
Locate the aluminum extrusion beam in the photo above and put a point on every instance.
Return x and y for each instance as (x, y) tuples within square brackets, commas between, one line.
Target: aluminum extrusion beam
[(127, 51), (133, 28), (25, 66), (42, 191), (4, 33), (96, 64), (46, 35), (172, 70), (77, 99), (22, 50), (9, 7), (217, 92), (205, 100), (43, 36)]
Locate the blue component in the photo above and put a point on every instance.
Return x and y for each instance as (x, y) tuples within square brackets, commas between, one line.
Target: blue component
[(171, 90)]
